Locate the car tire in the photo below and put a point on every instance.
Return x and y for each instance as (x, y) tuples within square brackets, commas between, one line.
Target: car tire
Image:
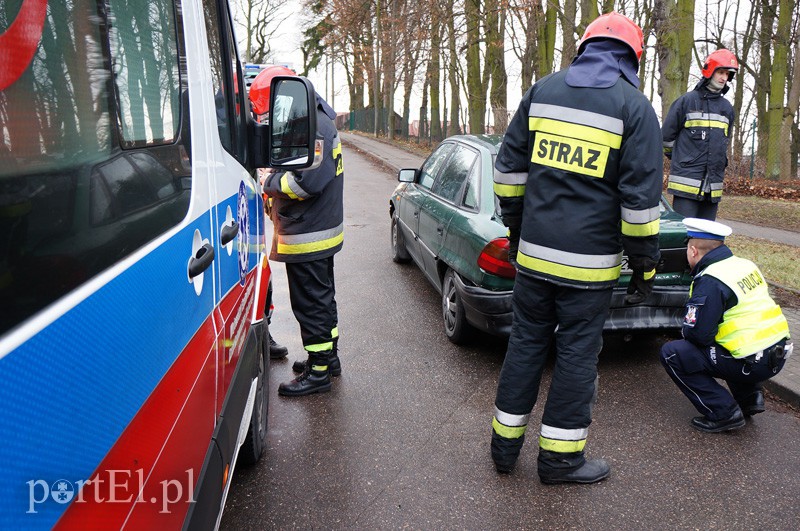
[(456, 327), (256, 440), (399, 252)]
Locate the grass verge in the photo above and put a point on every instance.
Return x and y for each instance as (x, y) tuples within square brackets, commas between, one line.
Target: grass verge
[(775, 213), (779, 263)]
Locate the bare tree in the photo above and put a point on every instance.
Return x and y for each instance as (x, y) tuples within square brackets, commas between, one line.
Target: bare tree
[(259, 20)]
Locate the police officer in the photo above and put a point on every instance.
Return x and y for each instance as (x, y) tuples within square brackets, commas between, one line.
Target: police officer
[(308, 214), (732, 330), (696, 132), (578, 178)]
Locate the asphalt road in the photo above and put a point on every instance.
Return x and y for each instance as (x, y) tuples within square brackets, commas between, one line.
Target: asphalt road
[(402, 440)]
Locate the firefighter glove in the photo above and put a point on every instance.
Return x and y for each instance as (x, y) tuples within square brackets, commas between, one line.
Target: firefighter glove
[(642, 279)]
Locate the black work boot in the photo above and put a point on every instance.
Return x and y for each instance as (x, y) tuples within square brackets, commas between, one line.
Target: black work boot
[(276, 350), (753, 404), (334, 365), (315, 378), (556, 467)]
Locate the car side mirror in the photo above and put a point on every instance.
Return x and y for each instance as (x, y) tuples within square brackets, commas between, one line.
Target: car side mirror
[(290, 142), (407, 175)]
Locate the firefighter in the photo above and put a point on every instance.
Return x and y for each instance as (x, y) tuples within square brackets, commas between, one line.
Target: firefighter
[(307, 212), (732, 330), (578, 178), (695, 134)]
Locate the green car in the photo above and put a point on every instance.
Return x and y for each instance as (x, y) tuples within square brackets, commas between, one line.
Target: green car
[(444, 217)]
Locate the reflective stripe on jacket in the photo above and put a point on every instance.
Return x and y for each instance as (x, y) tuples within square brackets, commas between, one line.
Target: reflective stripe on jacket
[(307, 210), (695, 138), (579, 173), (755, 322)]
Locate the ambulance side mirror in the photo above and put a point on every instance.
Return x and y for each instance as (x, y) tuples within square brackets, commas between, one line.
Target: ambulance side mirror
[(292, 123)]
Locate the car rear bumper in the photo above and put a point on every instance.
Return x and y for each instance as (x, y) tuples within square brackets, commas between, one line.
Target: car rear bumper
[(663, 310), (486, 310), (490, 311)]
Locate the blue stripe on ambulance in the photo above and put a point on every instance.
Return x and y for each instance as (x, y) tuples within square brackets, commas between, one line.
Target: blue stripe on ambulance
[(51, 428)]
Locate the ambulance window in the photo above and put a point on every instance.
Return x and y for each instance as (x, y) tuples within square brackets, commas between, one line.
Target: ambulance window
[(95, 154), (145, 71), (223, 112), (226, 77)]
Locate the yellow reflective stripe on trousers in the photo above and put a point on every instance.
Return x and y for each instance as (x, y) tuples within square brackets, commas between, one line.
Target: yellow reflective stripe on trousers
[(649, 274), (335, 332), (310, 242), (508, 432), (562, 440), (319, 368), (319, 347)]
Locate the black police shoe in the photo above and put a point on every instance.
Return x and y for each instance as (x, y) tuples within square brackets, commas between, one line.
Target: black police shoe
[(753, 404), (276, 350), (334, 366), (734, 422), (592, 471), (309, 382)]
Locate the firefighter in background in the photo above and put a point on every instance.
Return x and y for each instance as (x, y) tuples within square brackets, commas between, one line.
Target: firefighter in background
[(307, 212), (695, 133), (732, 330), (579, 178)]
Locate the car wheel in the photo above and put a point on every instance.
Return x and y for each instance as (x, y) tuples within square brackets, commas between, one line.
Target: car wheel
[(456, 327), (399, 252), (256, 439)]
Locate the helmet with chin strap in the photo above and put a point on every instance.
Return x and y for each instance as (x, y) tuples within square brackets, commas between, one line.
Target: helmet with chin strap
[(618, 27), (721, 58)]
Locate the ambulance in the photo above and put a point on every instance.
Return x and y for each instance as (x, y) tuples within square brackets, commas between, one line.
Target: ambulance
[(134, 281)]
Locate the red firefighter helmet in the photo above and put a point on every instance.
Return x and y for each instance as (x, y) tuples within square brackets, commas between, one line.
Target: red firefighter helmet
[(721, 58), (615, 26), (259, 89)]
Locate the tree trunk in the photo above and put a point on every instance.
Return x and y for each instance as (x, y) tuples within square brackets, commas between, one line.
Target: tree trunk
[(453, 127), (495, 63), (777, 130), (476, 90), (569, 46), (674, 25)]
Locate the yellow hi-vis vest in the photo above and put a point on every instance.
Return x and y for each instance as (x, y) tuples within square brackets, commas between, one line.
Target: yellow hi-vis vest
[(756, 322)]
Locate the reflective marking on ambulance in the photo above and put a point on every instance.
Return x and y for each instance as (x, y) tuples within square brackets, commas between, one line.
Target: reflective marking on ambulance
[(573, 140)]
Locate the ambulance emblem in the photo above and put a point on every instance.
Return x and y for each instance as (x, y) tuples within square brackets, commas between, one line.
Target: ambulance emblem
[(243, 218)]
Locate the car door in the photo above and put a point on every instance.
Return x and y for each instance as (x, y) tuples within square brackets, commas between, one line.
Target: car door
[(438, 207), (415, 195)]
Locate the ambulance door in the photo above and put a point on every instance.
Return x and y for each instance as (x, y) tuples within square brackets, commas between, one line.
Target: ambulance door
[(236, 206)]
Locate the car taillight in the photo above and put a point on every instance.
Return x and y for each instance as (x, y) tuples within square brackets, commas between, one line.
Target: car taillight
[(494, 259)]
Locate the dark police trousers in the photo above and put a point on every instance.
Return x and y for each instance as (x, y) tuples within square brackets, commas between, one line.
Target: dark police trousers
[(694, 370), (580, 314), (312, 293)]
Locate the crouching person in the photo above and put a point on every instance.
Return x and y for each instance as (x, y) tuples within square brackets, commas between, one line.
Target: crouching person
[(732, 330)]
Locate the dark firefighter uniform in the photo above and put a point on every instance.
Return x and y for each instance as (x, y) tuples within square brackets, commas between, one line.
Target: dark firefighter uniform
[(732, 330), (695, 139), (578, 178), (308, 214)]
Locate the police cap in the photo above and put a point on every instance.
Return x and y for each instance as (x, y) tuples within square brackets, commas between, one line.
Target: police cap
[(705, 229)]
